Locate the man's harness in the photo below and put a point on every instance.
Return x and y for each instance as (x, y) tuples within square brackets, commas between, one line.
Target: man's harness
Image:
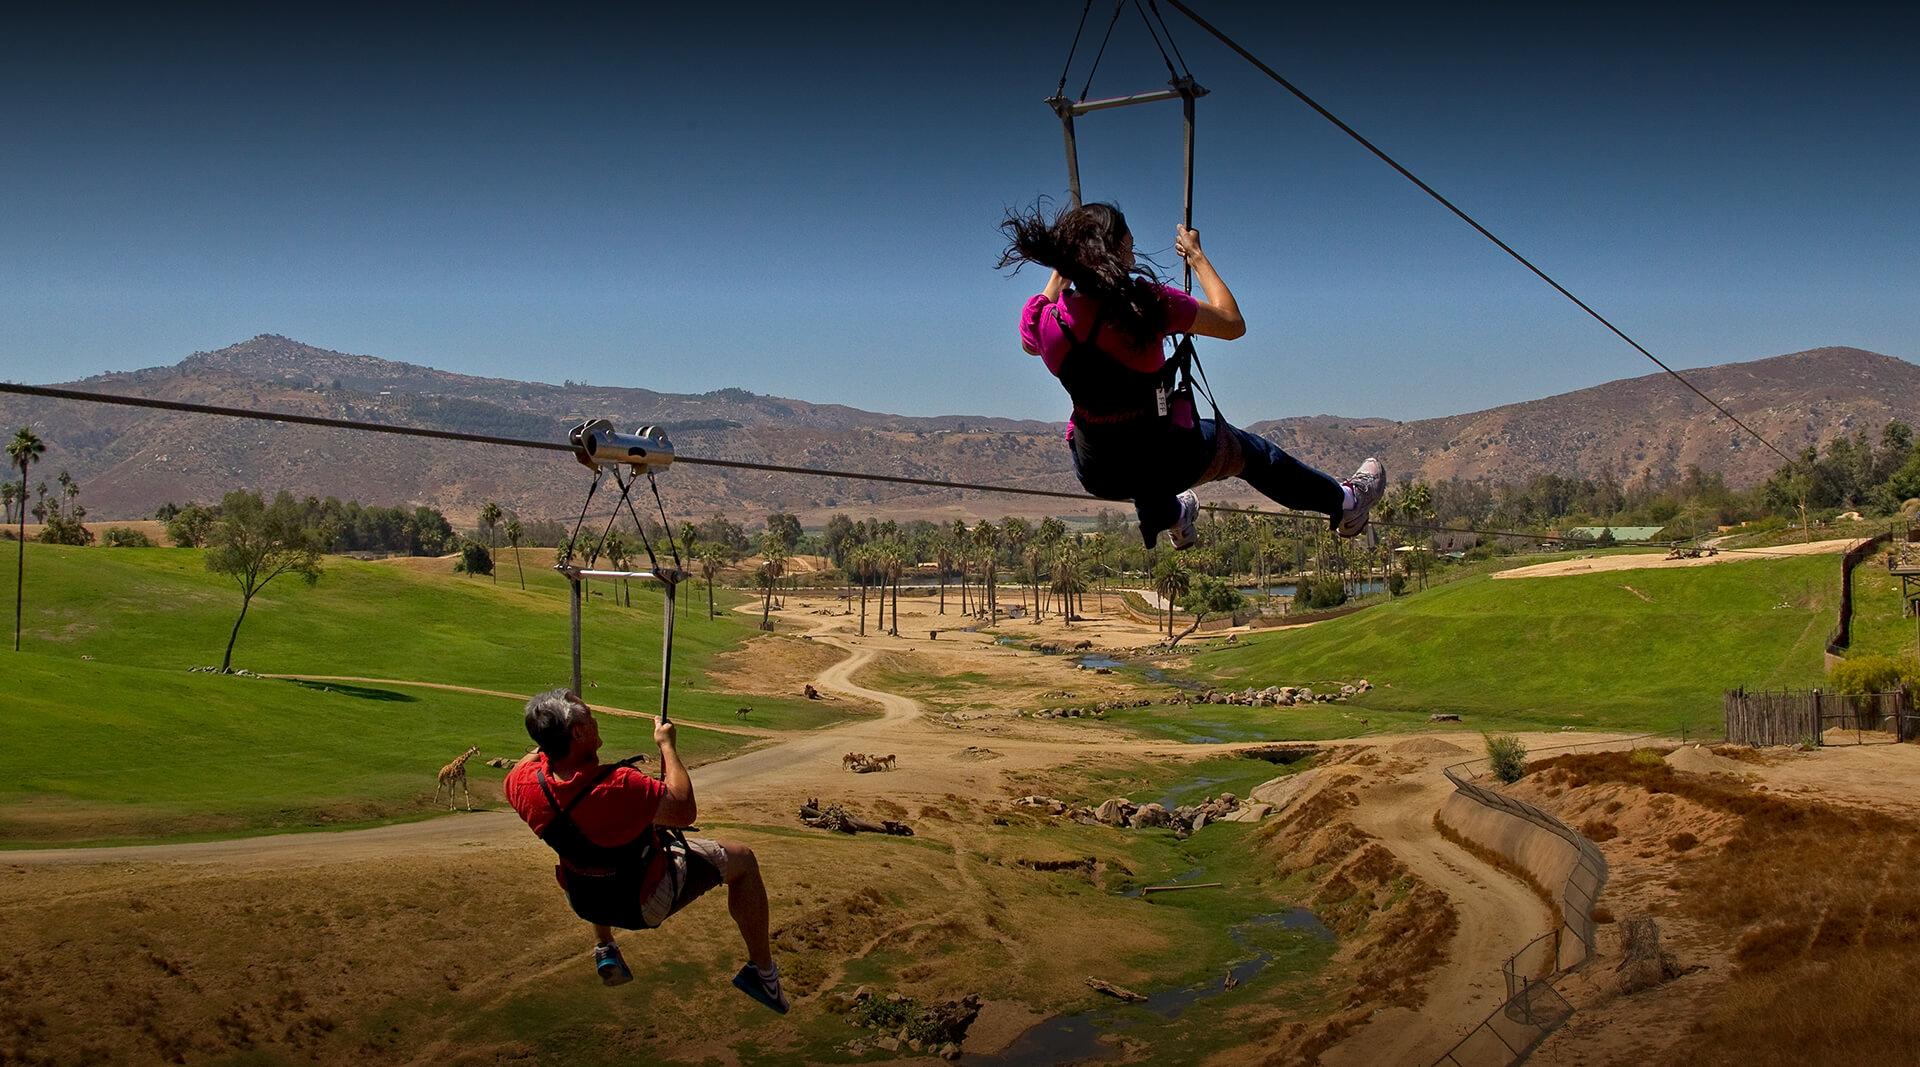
[(610, 885)]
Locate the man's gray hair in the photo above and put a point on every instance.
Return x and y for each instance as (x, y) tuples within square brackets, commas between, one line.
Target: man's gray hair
[(550, 718)]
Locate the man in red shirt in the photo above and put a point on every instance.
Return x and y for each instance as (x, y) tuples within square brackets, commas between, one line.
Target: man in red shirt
[(604, 821)]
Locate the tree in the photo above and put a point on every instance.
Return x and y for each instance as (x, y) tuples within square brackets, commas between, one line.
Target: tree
[(490, 514), (474, 558), (785, 529), (514, 532), (773, 547), (8, 494), (943, 555), (1171, 580), (190, 525), (1208, 594), (715, 557), (63, 518), (22, 452), (254, 542)]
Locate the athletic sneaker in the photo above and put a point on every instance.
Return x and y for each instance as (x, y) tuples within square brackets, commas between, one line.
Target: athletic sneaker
[(613, 969), (1183, 534), (765, 990), (1368, 484)]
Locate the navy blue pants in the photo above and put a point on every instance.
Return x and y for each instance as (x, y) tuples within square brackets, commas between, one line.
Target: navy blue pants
[(1150, 469)]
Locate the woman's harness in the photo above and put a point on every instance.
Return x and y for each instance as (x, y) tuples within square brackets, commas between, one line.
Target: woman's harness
[(1111, 398), (609, 884)]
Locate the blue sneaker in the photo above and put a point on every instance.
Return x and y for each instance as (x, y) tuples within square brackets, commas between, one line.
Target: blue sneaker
[(613, 969), (748, 981), (1183, 534)]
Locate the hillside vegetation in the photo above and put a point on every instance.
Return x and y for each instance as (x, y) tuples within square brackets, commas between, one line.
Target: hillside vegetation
[(1578, 650)]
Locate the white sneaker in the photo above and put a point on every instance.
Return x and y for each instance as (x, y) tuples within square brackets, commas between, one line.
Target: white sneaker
[(1183, 533), (1369, 484)]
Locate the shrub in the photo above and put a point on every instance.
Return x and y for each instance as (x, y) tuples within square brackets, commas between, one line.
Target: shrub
[(1509, 757), (1324, 591), (1874, 674), (124, 537), (474, 559), (1396, 584)]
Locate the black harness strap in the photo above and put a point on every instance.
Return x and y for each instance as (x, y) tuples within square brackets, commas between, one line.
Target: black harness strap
[(609, 884)]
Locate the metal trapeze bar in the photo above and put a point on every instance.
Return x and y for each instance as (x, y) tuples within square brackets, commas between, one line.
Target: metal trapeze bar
[(666, 575), (1083, 107)]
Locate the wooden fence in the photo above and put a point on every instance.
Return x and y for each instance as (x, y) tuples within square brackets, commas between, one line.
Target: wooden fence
[(1842, 634), (1790, 718)]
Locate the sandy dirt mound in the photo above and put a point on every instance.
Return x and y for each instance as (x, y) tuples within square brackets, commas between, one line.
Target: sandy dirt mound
[(1427, 746), (1700, 760), (1659, 561)]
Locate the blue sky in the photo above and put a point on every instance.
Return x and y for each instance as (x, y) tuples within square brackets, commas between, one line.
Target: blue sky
[(802, 200)]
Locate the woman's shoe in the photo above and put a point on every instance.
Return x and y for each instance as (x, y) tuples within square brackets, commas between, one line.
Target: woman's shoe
[(1368, 484), (1184, 532)]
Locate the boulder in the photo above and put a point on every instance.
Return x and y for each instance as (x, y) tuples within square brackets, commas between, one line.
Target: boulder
[(1148, 815), (1114, 812), (1199, 821), (1248, 813)]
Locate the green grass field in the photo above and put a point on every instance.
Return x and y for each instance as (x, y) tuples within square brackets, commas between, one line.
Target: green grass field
[(115, 740), (1879, 627), (1538, 653)]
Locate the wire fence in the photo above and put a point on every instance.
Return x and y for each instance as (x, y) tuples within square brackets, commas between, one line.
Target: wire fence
[(1816, 717)]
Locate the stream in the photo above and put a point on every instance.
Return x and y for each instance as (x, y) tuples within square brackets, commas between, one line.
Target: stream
[(1079, 1038)]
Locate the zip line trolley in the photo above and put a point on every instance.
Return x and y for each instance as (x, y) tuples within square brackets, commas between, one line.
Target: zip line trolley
[(626, 456)]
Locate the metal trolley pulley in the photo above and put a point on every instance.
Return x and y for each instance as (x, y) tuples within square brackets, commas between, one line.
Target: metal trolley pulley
[(596, 443)]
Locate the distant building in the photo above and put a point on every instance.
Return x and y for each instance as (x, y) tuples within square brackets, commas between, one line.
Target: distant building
[(1621, 534)]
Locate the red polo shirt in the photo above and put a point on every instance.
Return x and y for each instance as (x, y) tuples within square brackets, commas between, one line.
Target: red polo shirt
[(620, 807)]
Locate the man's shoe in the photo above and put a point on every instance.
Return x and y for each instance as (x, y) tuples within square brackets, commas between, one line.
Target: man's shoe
[(1183, 534), (748, 981), (1369, 484), (613, 970)]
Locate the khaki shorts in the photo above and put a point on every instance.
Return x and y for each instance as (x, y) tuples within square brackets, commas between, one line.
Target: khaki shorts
[(691, 872)]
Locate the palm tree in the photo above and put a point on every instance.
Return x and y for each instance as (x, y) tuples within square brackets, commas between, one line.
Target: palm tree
[(943, 549), (490, 517), (7, 496), (1068, 582), (22, 451), (713, 559), (1171, 581), (514, 531), (987, 538), (775, 551)]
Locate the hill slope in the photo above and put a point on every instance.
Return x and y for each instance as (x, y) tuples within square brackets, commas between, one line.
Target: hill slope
[(131, 460)]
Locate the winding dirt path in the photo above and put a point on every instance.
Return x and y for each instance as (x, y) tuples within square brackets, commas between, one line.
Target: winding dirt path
[(1497, 916)]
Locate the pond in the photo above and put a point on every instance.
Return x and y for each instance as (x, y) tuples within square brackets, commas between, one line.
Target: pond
[(1371, 585), (1093, 662)]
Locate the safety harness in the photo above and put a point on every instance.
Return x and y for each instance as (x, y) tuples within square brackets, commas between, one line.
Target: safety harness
[(1109, 396), (608, 884)]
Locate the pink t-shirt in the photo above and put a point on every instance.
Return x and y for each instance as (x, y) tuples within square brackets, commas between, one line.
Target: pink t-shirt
[(1041, 332)]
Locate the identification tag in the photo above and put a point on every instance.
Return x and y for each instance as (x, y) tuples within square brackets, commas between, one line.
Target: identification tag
[(1160, 400)]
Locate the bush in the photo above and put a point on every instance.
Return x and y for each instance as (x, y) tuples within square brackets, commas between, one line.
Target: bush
[(1396, 584), (474, 559), (1874, 674), (124, 537), (1509, 757), (1324, 591)]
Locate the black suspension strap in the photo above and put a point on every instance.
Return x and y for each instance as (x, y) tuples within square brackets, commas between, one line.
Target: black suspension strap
[(666, 523), (1118, 6), (1172, 75), (1067, 68), (573, 539), (626, 501)]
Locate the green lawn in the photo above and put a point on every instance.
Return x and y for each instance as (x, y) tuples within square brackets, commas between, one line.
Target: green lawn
[(100, 753), (161, 608), (1879, 628), (1536, 653), (113, 739)]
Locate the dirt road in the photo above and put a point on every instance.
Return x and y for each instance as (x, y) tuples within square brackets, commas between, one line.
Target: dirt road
[(1655, 561)]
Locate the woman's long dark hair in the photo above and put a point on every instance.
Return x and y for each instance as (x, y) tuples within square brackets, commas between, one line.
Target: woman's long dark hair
[(1084, 245)]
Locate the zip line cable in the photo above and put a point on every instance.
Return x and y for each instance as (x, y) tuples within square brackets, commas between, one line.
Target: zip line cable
[(49, 392), (1466, 218)]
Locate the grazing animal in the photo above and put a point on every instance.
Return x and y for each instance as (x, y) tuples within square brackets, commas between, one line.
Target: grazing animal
[(1363, 724), (1083, 646), (454, 775), (850, 759), (743, 712), (1230, 982), (888, 761)]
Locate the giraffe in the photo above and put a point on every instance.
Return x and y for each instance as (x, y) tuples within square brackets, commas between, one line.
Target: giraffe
[(455, 775)]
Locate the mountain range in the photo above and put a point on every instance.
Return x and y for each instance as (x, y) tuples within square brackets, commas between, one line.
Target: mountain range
[(131, 460)]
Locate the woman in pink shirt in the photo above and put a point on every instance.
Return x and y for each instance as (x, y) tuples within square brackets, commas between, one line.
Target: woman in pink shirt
[(1101, 326)]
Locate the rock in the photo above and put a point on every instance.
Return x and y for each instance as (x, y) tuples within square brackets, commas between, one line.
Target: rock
[(1148, 815), (888, 1042), (1229, 801), (861, 993), (1199, 821), (1114, 812), (1347, 690), (950, 1051), (1303, 693), (914, 1044), (1248, 813)]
